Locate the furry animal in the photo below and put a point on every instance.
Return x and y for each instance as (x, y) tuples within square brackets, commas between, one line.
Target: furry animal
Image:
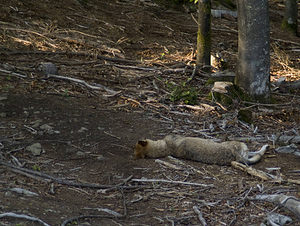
[(197, 149)]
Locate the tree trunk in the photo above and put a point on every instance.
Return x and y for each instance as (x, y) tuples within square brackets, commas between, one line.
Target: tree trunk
[(204, 33), (290, 22), (253, 68)]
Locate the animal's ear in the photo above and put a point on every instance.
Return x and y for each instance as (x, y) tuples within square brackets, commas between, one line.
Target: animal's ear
[(143, 143)]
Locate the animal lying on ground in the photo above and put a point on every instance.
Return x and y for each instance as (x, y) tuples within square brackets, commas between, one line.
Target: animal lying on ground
[(197, 149)]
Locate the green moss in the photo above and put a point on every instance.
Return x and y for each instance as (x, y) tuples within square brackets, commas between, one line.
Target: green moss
[(289, 27), (222, 98), (245, 115), (235, 94), (187, 94), (210, 81)]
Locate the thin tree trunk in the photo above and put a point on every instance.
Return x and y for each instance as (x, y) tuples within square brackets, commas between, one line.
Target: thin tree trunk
[(253, 69), (204, 33), (290, 22)]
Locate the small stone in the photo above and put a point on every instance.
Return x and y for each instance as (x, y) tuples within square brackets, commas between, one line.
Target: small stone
[(3, 115), (82, 129), (47, 68), (100, 157), (221, 87), (3, 97), (35, 149), (36, 123), (8, 193), (46, 127), (245, 115), (80, 153)]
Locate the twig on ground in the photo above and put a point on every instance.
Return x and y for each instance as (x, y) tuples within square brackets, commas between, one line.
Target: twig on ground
[(293, 181), (113, 213), (23, 192), (23, 216), (84, 54), (145, 180), (114, 136), (77, 218), (288, 139), (254, 172), (79, 81), (201, 107), (289, 202), (44, 177), (184, 164), (13, 73), (200, 216), (170, 165)]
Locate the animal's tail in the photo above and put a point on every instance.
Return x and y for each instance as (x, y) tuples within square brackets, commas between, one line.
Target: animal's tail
[(255, 157)]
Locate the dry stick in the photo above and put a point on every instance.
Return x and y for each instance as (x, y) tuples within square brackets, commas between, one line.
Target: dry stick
[(170, 165), (23, 216), (289, 202), (261, 174), (79, 81), (77, 218), (169, 70), (13, 73), (99, 57), (177, 161), (48, 178), (145, 180), (200, 216), (254, 172), (113, 213)]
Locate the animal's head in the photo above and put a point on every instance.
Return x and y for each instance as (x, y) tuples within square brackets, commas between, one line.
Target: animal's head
[(140, 149)]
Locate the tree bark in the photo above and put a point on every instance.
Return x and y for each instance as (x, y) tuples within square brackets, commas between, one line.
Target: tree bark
[(204, 33), (290, 22), (253, 67)]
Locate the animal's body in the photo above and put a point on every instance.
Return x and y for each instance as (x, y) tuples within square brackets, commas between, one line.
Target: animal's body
[(197, 149)]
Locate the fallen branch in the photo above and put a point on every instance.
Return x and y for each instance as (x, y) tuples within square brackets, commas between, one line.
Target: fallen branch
[(292, 181), (13, 73), (23, 216), (41, 176), (179, 162), (79, 81), (99, 57), (201, 107), (113, 213), (287, 86), (23, 192), (145, 180), (77, 218), (289, 202), (289, 139), (254, 172), (170, 165), (200, 216), (153, 69)]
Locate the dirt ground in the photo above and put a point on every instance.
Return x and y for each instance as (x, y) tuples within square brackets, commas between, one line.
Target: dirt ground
[(85, 172)]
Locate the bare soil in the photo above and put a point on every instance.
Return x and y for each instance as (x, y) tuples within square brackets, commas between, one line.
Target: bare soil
[(134, 51)]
